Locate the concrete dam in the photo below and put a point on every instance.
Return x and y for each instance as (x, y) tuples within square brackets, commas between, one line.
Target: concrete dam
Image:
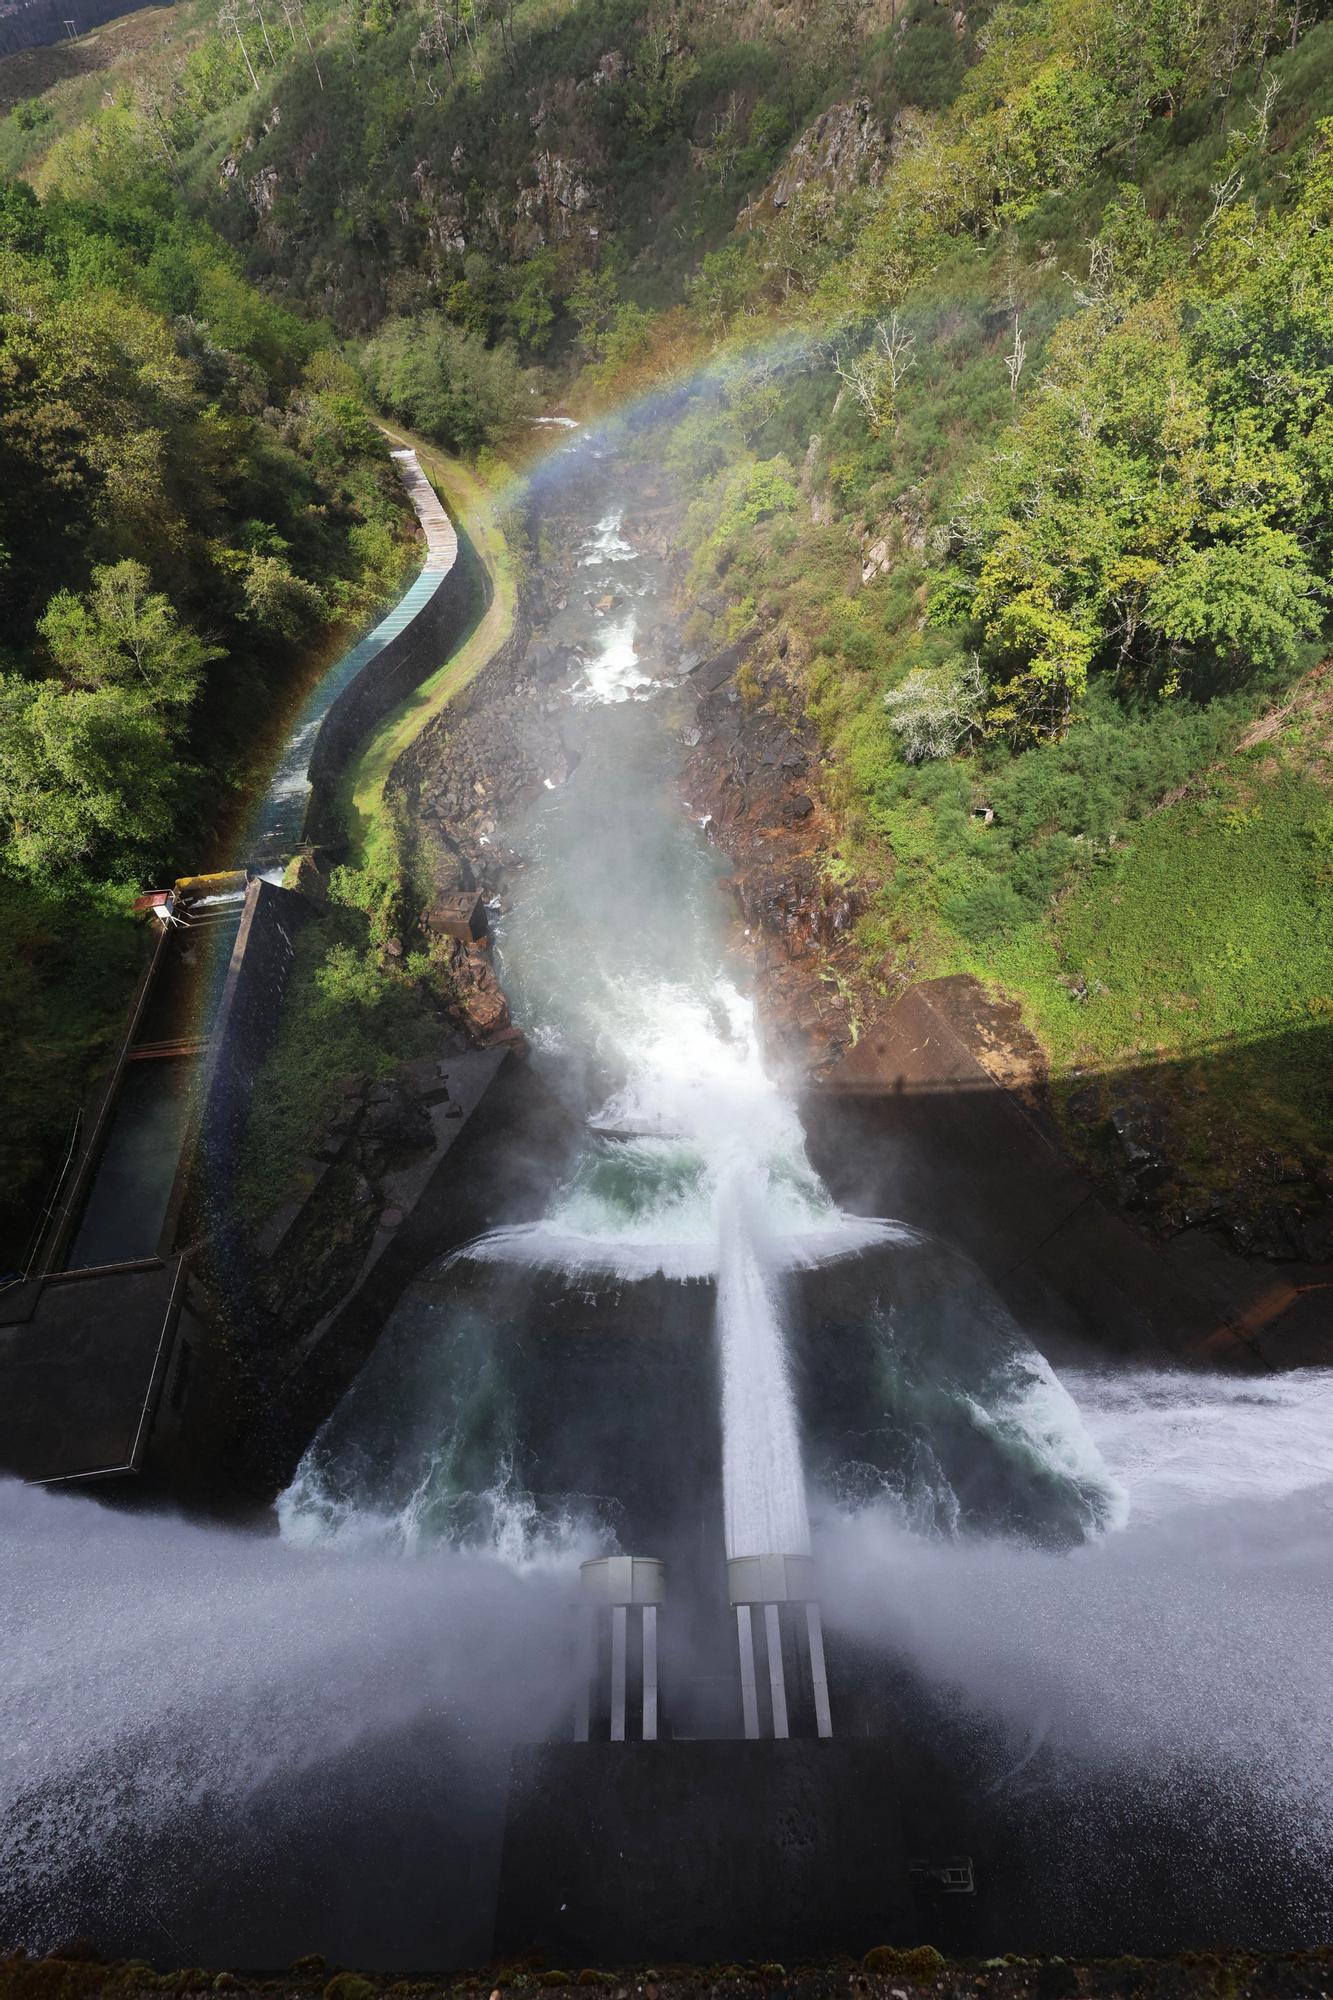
[(700, 1540)]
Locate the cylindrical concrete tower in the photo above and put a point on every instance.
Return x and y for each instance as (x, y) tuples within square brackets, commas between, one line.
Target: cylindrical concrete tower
[(618, 1586), (774, 1582)]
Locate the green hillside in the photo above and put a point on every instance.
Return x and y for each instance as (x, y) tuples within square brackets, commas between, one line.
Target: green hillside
[(1020, 470)]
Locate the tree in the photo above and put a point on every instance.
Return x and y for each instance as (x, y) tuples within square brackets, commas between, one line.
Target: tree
[(531, 311), (278, 600), (445, 381), (593, 299), (86, 776), (122, 635), (935, 711), (876, 375), (662, 71)]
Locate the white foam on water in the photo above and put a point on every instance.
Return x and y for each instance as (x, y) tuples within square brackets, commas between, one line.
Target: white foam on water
[(1177, 1440), (712, 1182), (613, 673), (1194, 1638), (504, 1522), (1037, 1412), (626, 1255), (292, 776), (607, 544), (702, 1119)]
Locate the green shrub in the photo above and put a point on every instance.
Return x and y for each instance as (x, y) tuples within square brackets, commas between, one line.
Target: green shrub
[(445, 381)]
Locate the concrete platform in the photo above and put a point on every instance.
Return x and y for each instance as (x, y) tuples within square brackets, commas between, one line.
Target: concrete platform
[(83, 1373), (659, 1852)]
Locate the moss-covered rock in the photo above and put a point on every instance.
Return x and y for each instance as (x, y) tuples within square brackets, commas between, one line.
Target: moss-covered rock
[(920, 1961)]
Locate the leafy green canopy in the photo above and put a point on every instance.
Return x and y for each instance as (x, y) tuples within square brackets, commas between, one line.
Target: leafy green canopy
[(1160, 509), (444, 380), (189, 487)]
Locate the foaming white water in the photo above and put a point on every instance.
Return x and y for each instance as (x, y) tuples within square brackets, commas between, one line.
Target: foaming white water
[(1177, 1440), (713, 1183), (504, 1522), (1042, 1415), (606, 544), (649, 1255), (706, 1121), (149, 1666), (1196, 1639), (614, 673)]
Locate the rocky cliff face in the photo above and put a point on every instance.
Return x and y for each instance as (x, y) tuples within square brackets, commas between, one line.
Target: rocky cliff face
[(846, 147), (754, 773)]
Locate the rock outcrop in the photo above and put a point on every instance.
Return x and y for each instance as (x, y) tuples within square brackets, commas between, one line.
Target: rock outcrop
[(752, 779), (846, 147)]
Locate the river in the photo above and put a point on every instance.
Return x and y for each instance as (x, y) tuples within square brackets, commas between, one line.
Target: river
[(1091, 1605)]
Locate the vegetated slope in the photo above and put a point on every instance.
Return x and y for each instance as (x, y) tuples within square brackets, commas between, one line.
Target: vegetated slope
[(1020, 472), (193, 501), (1072, 481), (27, 75)]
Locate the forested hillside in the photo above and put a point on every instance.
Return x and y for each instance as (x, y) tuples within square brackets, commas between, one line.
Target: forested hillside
[(191, 494), (1016, 476)]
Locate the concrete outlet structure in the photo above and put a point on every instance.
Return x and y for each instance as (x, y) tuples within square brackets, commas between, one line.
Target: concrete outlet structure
[(792, 1633), (618, 1619)]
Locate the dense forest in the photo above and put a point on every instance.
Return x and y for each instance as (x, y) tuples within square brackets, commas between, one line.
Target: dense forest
[(191, 493), (1010, 331)]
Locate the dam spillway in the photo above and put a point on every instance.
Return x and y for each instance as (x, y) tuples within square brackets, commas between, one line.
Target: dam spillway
[(390, 1687)]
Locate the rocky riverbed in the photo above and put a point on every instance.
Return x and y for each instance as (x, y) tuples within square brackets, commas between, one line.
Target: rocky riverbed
[(753, 777)]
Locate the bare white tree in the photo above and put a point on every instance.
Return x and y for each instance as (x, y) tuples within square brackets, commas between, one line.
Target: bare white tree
[(895, 344), (229, 21), (936, 710), (1096, 289), (258, 13), (293, 11), (876, 374), (1016, 357)]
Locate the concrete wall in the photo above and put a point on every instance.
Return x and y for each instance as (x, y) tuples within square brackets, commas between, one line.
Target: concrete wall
[(911, 1125), (417, 637), (431, 618), (244, 1029)]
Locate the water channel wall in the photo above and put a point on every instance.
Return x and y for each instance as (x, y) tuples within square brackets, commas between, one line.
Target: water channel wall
[(244, 1029), (417, 636)]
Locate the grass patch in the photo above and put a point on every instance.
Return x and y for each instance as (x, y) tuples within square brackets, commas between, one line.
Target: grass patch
[(1207, 943), (350, 1014)]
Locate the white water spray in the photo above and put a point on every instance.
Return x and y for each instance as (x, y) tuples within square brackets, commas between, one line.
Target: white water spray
[(714, 1183), (762, 1478), (1192, 1642), (151, 1668)]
